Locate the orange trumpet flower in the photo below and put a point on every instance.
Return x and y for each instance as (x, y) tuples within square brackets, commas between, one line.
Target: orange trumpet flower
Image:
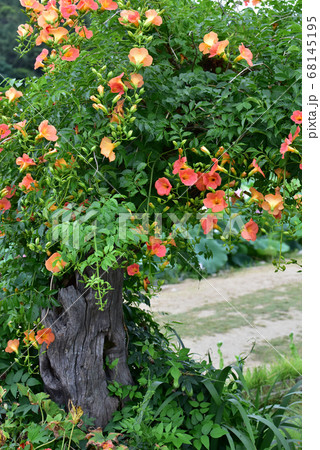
[(25, 162), (256, 168), (188, 177), (4, 204), (256, 196), (108, 5), (155, 247), (4, 131), (107, 148), (30, 338), (12, 346), (211, 180), (208, 223), (133, 269), (47, 131), (179, 164), (128, 16), (20, 126), (153, 17), (208, 41), (87, 5), (273, 203), (116, 85), (250, 231), (42, 57), (200, 184), (28, 183), (246, 54), (69, 53), (218, 48), (140, 57), (297, 117), (55, 263), (163, 186), (46, 335), (136, 81), (12, 94), (215, 201), (24, 30)]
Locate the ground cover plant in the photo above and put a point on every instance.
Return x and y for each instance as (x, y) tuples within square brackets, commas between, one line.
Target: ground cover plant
[(150, 120)]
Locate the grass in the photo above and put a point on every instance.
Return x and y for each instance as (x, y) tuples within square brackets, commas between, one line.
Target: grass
[(271, 304), (263, 352), (270, 383), (286, 369)]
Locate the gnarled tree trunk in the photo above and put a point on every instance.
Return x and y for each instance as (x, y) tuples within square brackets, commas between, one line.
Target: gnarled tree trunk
[(73, 367)]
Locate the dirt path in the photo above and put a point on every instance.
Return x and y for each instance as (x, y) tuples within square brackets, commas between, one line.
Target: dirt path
[(264, 306)]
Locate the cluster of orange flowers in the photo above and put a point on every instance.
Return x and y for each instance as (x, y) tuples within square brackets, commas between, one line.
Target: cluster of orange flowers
[(139, 57), (286, 145), (211, 46), (211, 180), (43, 336), (155, 246), (51, 22), (134, 269), (273, 203), (254, 2), (45, 131)]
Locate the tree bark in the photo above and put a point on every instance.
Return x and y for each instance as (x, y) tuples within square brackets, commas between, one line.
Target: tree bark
[(73, 366)]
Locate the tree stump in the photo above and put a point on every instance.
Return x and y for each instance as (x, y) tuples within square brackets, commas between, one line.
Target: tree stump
[(73, 366)]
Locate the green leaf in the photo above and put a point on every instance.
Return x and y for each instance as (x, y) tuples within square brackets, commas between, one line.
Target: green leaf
[(33, 382), (278, 435), (248, 445), (217, 431), (213, 392), (244, 417), (205, 441), (207, 428), (23, 389), (176, 374)]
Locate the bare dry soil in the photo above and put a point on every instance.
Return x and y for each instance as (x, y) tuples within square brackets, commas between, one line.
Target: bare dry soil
[(239, 308)]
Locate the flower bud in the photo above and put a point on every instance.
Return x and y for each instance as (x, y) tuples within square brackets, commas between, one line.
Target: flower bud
[(219, 152), (117, 98), (93, 98), (100, 89), (205, 150)]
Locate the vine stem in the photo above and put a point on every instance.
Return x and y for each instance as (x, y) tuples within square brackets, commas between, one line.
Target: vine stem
[(150, 187), (64, 437), (281, 235), (69, 444), (42, 445)]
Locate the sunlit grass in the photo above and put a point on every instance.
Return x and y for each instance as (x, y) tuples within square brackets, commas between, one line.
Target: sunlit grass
[(220, 317)]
